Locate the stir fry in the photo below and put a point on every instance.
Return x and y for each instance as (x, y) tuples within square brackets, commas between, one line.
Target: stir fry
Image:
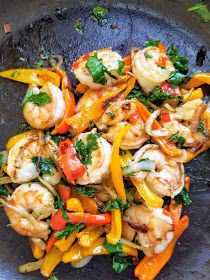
[(103, 174)]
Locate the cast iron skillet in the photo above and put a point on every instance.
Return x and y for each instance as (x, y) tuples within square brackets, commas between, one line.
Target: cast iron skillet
[(50, 24)]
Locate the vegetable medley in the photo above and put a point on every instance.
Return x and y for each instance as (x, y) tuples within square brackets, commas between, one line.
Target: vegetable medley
[(105, 175)]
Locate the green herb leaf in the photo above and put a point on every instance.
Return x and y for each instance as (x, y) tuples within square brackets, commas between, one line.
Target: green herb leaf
[(23, 127), (40, 99), (174, 137), (121, 67), (117, 203), (180, 62), (119, 264), (65, 214), (158, 96), (147, 55), (98, 15), (52, 277), (88, 191), (176, 77), (152, 43), (112, 249), (112, 115), (202, 10), (84, 150), (202, 129), (40, 63), (78, 26), (46, 165), (58, 203), (183, 198), (3, 158), (69, 229), (3, 192), (179, 139)]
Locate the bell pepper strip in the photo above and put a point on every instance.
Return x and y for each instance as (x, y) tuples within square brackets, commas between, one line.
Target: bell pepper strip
[(51, 260), (32, 76), (129, 250), (197, 80), (88, 236), (195, 94), (149, 267), (74, 254), (175, 211), (169, 148), (51, 241), (187, 182), (69, 162), (125, 159), (59, 223), (151, 199), (74, 205), (96, 249), (37, 251), (162, 61), (128, 64), (70, 103), (161, 46), (64, 192), (191, 155), (165, 117), (13, 140), (168, 88), (81, 88), (88, 204), (115, 167), (65, 243), (116, 227)]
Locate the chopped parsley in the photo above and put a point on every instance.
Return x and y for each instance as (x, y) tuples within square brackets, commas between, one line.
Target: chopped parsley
[(202, 129), (78, 26), (178, 139), (52, 277), (69, 229), (111, 115), (183, 198), (58, 203), (112, 249), (99, 15), (147, 55), (121, 64), (88, 191), (202, 10), (152, 43), (117, 203), (180, 62), (119, 263), (84, 150), (45, 165), (176, 77), (158, 96), (40, 99), (3, 192)]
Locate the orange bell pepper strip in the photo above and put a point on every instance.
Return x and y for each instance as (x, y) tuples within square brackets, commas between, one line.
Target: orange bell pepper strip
[(149, 267), (116, 227), (128, 64), (59, 223), (51, 241), (81, 88), (115, 167), (32, 76), (64, 192), (51, 260), (198, 79), (195, 94), (187, 182), (88, 204), (175, 211), (74, 205), (169, 148), (37, 251), (70, 103)]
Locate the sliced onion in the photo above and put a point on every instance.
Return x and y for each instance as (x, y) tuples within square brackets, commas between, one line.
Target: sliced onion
[(5, 180), (197, 116), (131, 244), (81, 263), (149, 124), (145, 165), (48, 186), (31, 266)]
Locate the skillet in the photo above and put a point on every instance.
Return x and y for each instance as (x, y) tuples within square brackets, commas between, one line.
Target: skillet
[(37, 23)]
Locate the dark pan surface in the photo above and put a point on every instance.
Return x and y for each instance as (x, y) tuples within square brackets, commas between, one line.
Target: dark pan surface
[(38, 23)]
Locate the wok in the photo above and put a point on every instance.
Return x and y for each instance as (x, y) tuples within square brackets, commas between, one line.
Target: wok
[(37, 23)]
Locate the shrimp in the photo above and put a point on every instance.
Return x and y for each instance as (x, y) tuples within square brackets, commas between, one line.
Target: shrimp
[(119, 114), (109, 59), (21, 166), (147, 67), (45, 116), (27, 207), (187, 110), (154, 230), (99, 168), (168, 177)]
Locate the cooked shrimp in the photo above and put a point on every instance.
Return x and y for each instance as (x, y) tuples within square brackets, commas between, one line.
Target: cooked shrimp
[(168, 177), (98, 169), (27, 207), (187, 110), (148, 70), (46, 116), (154, 229), (21, 167), (110, 60), (119, 114)]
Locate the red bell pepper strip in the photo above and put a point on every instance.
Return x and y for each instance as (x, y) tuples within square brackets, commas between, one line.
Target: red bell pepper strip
[(69, 99), (168, 88), (70, 164), (64, 192), (59, 223), (51, 241), (165, 117), (161, 46)]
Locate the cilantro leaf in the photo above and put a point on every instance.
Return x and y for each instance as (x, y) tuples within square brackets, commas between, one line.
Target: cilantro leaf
[(117, 203), (52, 277), (88, 191), (84, 150), (158, 95), (176, 77), (98, 15), (202, 129), (180, 62), (112, 249), (147, 55), (3, 192), (152, 43), (121, 67), (40, 99), (69, 229), (119, 263), (58, 203), (78, 26), (202, 10), (183, 198), (46, 165), (177, 139), (111, 115)]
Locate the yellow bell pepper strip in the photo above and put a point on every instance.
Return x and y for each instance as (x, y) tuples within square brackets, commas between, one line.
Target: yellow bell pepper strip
[(89, 235), (32, 76), (169, 148), (51, 260), (116, 227), (151, 199), (75, 253), (191, 155), (96, 249), (195, 94), (149, 267), (13, 140), (74, 205), (37, 251), (198, 80), (129, 250), (64, 244), (115, 167), (88, 204), (125, 159)]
